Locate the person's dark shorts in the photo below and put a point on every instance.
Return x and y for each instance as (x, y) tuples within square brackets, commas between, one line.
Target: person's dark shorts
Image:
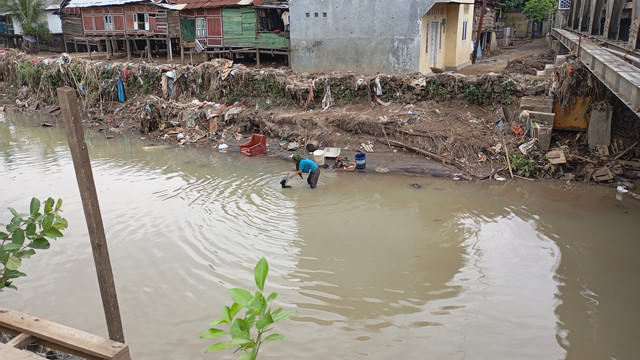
[(313, 177)]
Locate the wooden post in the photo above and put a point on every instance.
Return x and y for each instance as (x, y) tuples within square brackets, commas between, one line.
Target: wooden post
[(181, 53), (258, 57), (64, 40), (126, 40), (100, 45), (108, 46), (475, 48), (169, 49), (75, 45), (89, 49), (148, 49), (84, 175)]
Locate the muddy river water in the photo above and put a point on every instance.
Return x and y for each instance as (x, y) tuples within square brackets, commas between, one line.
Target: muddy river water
[(373, 267)]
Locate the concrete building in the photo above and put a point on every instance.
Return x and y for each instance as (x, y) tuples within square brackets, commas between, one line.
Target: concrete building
[(614, 20), (370, 36)]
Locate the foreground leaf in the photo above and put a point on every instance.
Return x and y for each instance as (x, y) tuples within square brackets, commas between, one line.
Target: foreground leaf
[(13, 263), (260, 272), (212, 334), (241, 296), (40, 243), (34, 206), (273, 337), (218, 347)]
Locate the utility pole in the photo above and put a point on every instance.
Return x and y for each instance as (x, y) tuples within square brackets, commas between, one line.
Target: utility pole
[(475, 48)]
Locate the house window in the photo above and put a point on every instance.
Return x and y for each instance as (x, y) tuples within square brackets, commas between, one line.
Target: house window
[(201, 28), (464, 29), (307, 14), (108, 22), (315, 14), (142, 22), (564, 4), (324, 14)]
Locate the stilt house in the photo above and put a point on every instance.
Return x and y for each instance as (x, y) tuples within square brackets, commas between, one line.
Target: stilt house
[(122, 23), (236, 26)]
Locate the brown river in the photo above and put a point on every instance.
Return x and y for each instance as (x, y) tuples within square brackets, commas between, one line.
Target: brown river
[(373, 267)]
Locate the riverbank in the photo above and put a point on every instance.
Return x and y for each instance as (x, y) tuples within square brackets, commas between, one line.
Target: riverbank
[(447, 124)]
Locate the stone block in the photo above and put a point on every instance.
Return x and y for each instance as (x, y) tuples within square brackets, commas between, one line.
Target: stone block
[(540, 104), (548, 69), (561, 59), (544, 137), (540, 73), (547, 118), (599, 131)]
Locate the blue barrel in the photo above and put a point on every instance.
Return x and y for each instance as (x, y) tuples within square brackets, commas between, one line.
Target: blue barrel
[(361, 161)]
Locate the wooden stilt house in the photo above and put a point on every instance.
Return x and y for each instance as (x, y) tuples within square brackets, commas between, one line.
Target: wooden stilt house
[(112, 25), (229, 27)]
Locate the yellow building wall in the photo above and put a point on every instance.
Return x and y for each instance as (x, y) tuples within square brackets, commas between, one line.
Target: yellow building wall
[(435, 15), (452, 51), (459, 51)]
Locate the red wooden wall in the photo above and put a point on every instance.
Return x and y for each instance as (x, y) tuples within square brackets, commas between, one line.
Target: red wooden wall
[(213, 18), (125, 18)]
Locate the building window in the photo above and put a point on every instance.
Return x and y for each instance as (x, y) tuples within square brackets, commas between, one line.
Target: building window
[(564, 4), (315, 14), (324, 14), (108, 22), (201, 28), (142, 22), (464, 29), (307, 14), (440, 39)]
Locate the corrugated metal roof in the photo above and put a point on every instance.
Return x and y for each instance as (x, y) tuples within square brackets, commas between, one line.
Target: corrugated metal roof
[(92, 3), (53, 5), (199, 4)]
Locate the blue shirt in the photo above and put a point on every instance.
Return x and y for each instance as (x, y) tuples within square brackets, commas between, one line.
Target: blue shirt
[(307, 166)]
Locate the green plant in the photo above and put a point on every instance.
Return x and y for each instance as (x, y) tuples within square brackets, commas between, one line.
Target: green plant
[(26, 233), (522, 166), (478, 95), (539, 10), (257, 319), (30, 16)]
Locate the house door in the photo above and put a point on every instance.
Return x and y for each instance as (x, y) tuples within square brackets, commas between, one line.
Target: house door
[(433, 44)]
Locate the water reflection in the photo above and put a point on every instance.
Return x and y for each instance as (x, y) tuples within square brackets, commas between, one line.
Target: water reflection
[(373, 267)]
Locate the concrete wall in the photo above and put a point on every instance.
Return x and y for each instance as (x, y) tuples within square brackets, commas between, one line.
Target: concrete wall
[(458, 50), (55, 25), (365, 36), (519, 23)]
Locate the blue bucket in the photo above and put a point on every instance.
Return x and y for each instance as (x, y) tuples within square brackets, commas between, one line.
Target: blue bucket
[(361, 161)]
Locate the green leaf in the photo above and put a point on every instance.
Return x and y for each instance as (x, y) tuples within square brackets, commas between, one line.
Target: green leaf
[(31, 229), (13, 212), (241, 296), (27, 253), (216, 322), (245, 356), (48, 205), (212, 334), (274, 337), (58, 204), (219, 347), (235, 309), (60, 223), (283, 316), (53, 232), (18, 236), (3, 235), (34, 207), (260, 272), (12, 274), (4, 255), (239, 329), (11, 246), (225, 315), (241, 341), (47, 221), (13, 263), (264, 321), (272, 296), (40, 243)]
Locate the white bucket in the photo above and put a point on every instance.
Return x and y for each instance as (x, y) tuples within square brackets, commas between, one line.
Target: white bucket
[(318, 157)]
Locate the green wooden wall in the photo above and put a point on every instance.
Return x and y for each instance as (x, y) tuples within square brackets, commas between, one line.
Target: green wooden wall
[(239, 29)]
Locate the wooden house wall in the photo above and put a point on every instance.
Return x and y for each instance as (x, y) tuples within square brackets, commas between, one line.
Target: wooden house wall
[(125, 19), (213, 18), (239, 27)]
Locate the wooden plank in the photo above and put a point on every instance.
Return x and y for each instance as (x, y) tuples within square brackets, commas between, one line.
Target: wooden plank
[(84, 175), (21, 341), (54, 333), (11, 353)]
